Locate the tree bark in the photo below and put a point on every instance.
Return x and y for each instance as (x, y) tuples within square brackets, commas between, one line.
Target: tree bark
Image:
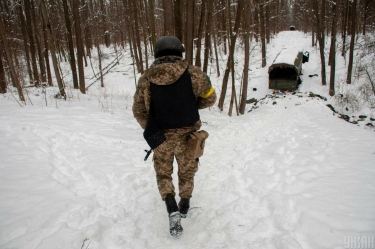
[(189, 31), (9, 58), (352, 39), (46, 55), (246, 62), (136, 34), (30, 33), (80, 50), (47, 26), (3, 82), (365, 15), (72, 58), (333, 50), (200, 31), (152, 22), (37, 33), (168, 17), (262, 34), (25, 40), (345, 24), (178, 20), (207, 35), (321, 38), (232, 45), (86, 27)]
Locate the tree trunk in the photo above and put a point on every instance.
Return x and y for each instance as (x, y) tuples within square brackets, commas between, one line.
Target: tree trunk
[(144, 34), (12, 69), (267, 28), (321, 38), (168, 17), (246, 62), (232, 45), (25, 40), (216, 58), (80, 50), (262, 34), (365, 15), (352, 39), (47, 26), (30, 33), (207, 35), (233, 99), (100, 65), (200, 31), (333, 50), (37, 33), (136, 35), (345, 24), (72, 58), (152, 21), (86, 27), (3, 82), (189, 31), (178, 20), (46, 56)]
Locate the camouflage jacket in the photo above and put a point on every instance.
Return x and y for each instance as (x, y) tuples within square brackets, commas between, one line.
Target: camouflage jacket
[(165, 71)]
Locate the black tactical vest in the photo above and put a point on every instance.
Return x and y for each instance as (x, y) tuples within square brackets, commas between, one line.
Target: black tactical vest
[(175, 105)]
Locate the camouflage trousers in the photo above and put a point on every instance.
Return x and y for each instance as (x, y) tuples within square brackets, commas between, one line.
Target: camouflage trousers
[(164, 154)]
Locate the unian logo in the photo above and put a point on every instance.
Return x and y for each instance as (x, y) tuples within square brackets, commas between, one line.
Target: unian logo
[(359, 242)]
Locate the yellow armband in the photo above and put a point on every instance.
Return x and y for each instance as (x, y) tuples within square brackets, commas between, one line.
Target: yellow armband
[(209, 93)]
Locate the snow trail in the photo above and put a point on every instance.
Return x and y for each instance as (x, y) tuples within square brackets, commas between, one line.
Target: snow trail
[(286, 175)]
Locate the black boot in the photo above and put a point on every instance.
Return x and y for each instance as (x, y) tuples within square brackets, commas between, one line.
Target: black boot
[(171, 204), (174, 215), (184, 205)]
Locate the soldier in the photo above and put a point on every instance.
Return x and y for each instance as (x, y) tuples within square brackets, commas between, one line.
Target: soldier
[(166, 105)]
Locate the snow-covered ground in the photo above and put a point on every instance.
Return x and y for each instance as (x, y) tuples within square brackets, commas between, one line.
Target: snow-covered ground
[(288, 174)]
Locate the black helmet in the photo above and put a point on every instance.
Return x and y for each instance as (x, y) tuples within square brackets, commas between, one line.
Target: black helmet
[(168, 45)]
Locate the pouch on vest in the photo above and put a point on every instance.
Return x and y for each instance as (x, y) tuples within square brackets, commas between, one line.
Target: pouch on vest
[(195, 144)]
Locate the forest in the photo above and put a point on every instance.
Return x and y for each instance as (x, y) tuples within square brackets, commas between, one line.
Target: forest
[(37, 35)]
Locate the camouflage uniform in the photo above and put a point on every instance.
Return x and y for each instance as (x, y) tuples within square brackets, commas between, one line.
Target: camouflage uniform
[(165, 71)]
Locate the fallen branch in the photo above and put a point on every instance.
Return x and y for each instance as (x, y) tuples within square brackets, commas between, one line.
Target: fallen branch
[(114, 61), (110, 64)]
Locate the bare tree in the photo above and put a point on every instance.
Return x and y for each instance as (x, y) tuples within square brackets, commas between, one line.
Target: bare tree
[(189, 31), (230, 62), (168, 17), (247, 58), (178, 20), (262, 33), (80, 52), (152, 22), (200, 32), (31, 37), (72, 58), (333, 49), (320, 34), (3, 82), (47, 26), (207, 35), (25, 40), (367, 7), (352, 39), (344, 27), (9, 59), (36, 24)]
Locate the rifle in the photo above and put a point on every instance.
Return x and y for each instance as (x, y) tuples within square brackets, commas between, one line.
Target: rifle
[(152, 134)]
